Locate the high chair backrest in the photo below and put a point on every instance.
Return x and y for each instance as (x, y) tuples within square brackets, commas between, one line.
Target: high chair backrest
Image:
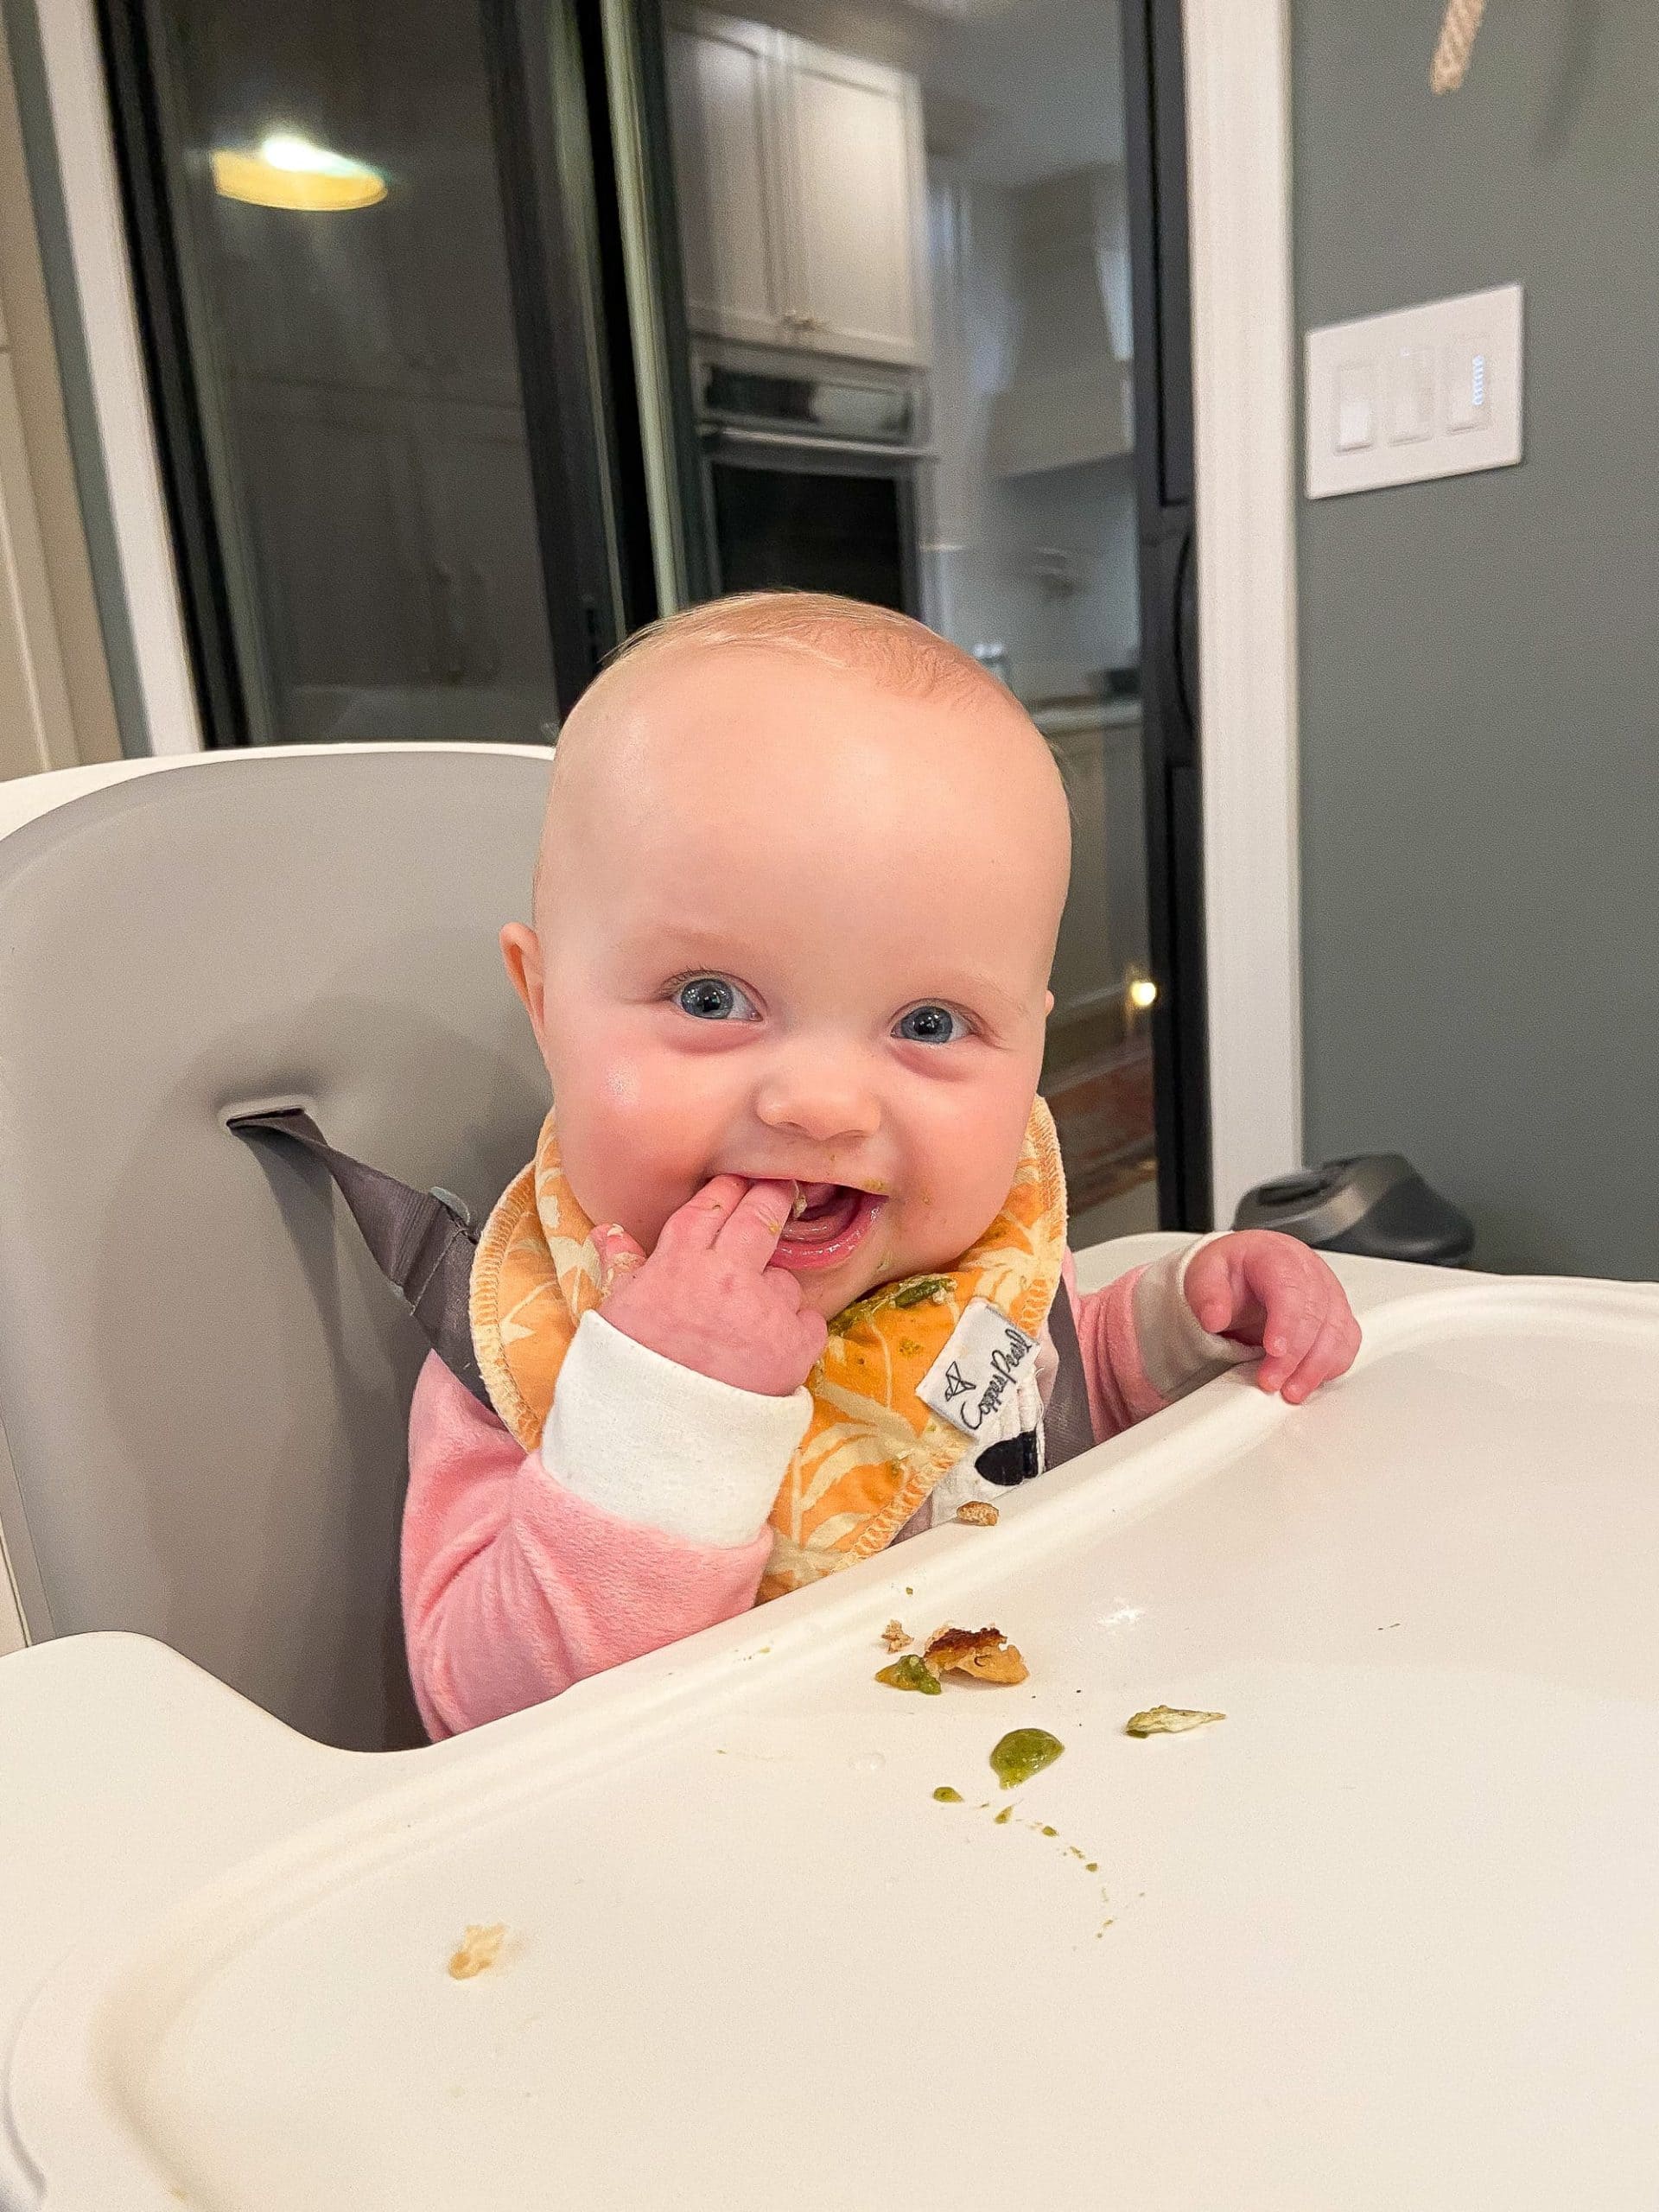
[(204, 1380)]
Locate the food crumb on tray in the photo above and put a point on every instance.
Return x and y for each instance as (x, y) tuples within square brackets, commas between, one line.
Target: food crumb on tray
[(910, 1673), (1023, 1753), (978, 1513), (983, 1653), (480, 1949), (894, 1636), (1168, 1720)]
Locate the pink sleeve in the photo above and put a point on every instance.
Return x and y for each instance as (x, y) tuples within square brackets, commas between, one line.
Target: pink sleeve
[(514, 1586), (1120, 1393), (1143, 1346)]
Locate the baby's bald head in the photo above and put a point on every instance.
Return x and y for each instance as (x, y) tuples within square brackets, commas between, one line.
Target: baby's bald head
[(820, 656)]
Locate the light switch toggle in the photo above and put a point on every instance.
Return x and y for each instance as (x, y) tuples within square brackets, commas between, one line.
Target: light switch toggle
[(1413, 380), (1355, 406), (1468, 384)]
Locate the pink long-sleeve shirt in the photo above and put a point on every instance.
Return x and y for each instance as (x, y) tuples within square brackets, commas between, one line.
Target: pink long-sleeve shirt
[(642, 1516)]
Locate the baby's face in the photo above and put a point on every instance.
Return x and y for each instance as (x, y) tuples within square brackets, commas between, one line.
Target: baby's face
[(793, 925)]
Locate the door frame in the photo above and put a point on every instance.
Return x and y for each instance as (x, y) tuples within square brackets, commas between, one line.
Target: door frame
[(1154, 122), (1244, 427), (102, 299)]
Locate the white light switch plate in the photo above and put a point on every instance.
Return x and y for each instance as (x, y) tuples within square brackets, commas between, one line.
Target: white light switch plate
[(1434, 391)]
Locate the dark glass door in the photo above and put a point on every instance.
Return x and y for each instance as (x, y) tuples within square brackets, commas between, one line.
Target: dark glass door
[(385, 444)]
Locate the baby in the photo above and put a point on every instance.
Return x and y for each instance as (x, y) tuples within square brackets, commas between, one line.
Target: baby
[(787, 1280)]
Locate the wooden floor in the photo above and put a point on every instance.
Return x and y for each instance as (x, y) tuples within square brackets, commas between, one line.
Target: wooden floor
[(1103, 1114)]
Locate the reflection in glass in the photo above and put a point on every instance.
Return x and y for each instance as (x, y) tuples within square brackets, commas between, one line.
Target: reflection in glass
[(337, 202)]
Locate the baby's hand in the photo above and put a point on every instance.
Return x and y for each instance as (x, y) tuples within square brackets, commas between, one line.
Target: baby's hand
[(1261, 1288), (709, 1298)]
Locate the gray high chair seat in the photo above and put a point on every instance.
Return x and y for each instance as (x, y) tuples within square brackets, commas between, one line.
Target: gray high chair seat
[(204, 1380)]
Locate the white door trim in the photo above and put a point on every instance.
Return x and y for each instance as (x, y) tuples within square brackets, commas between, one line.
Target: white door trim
[(109, 315), (1243, 356)]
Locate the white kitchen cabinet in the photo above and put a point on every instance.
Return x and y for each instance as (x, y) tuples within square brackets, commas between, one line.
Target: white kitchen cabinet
[(802, 195), (338, 529), (1103, 938), (723, 79), (475, 488), (398, 540), (857, 199)]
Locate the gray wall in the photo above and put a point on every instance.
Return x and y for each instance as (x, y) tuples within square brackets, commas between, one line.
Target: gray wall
[(1480, 659)]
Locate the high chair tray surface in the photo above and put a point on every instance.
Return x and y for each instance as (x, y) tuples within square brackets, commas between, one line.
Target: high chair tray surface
[(1386, 1935)]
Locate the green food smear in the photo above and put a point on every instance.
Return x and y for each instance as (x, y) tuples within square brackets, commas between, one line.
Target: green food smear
[(910, 1673), (945, 1794), (1004, 1817), (1023, 1753), (920, 1290)]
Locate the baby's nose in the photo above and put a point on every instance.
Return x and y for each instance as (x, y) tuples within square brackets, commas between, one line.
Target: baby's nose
[(822, 1100)]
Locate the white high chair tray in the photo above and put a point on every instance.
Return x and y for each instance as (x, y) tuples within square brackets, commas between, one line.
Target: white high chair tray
[(1387, 1936)]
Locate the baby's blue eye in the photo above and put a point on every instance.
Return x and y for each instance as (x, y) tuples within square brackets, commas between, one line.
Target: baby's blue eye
[(930, 1025), (712, 998)]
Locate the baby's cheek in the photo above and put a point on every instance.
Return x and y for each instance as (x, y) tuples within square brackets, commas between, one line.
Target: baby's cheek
[(651, 1138)]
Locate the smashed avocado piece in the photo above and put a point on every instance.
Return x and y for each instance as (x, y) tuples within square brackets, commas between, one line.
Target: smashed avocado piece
[(920, 1290), (1168, 1720), (1023, 1753), (910, 1673), (945, 1794)]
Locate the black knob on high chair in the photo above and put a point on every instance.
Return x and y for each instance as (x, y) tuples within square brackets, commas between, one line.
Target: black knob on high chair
[(1375, 1204)]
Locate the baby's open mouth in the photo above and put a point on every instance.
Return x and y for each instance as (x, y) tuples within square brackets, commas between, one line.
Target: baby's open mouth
[(830, 1220)]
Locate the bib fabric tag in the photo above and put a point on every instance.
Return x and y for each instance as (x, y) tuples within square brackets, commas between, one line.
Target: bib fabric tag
[(978, 1370)]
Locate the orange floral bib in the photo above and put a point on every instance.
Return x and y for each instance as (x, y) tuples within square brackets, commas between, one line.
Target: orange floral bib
[(873, 1450)]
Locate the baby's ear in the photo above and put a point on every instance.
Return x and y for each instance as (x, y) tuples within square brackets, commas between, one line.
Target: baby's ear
[(521, 949)]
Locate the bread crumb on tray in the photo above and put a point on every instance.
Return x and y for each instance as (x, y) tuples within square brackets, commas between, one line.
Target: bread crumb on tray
[(1168, 1720), (480, 1949), (983, 1653)]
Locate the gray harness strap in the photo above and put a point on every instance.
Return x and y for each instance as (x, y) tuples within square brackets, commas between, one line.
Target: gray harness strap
[(1067, 1427), (422, 1241)]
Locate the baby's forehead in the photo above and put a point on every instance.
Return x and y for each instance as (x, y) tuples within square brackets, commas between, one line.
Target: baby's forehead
[(714, 741)]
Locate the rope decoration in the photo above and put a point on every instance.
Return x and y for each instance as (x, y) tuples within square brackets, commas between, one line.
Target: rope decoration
[(1457, 43)]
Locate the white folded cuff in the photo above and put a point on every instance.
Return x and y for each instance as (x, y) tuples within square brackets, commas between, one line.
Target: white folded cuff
[(1177, 1351), (651, 1442)]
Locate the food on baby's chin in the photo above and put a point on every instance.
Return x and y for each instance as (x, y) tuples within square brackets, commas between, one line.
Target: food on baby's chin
[(983, 1653), (480, 1949), (978, 1513), (894, 1637), (1023, 1753), (910, 1673), (1168, 1720)]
